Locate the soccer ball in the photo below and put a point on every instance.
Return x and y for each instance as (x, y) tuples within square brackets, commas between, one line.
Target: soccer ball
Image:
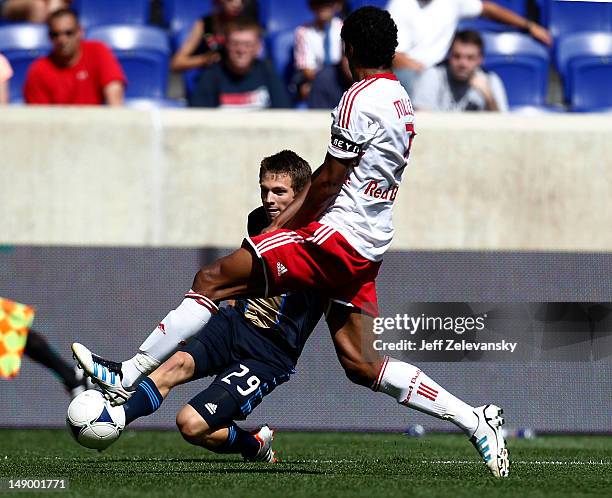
[(93, 422)]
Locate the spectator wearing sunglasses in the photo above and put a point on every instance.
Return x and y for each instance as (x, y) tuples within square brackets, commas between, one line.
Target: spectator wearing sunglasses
[(76, 71)]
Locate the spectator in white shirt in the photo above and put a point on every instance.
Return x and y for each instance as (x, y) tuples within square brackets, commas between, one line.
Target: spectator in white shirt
[(426, 29), (318, 43), (461, 85)]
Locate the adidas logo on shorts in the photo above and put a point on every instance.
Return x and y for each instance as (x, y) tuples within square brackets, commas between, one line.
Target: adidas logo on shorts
[(281, 268), (211, 407)]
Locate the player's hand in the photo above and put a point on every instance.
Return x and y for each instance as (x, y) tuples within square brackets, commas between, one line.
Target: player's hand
[(480, 82), (402, 61), (541, 34)]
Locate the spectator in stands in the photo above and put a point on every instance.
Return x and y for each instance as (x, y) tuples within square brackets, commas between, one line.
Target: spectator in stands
[(461, 85), (240, 80), (32, 10), (329, 85), (76, 72), (6, 73), (426, 29), (318, 44), (204, 45)]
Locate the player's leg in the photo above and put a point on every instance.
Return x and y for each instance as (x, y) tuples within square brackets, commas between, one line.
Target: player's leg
[(233, 275), (208, 353), (353, 337), (39, 350), (154, 389), (208, 421)]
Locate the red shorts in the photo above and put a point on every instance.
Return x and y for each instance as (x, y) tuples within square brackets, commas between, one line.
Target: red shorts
[(317, 257)]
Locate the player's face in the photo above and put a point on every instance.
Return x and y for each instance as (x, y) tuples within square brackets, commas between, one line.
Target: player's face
[(65, 35), (276, 193), (231, 8), (242, 49), (464, 60), (325, 13)]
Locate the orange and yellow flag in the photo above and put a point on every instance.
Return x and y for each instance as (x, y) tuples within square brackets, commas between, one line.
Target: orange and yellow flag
[(15, 322)]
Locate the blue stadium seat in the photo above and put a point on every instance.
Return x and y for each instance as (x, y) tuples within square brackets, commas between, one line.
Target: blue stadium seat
[(280, 49), (518, 6), (148, 104), (521, 63), (281, 15), (99, 12), (585, 63), (144, 54), (356, 4), (190, 77), (181, 14), (483, 25), (21, 44), (573, 16)]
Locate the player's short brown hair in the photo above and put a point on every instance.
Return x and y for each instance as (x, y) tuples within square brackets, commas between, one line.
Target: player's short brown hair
[(469, 37), (242, 23), (287, 162), (61, 13)]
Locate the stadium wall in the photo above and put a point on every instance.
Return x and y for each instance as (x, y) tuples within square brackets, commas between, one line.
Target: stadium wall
[(106, 216), (171, 178)]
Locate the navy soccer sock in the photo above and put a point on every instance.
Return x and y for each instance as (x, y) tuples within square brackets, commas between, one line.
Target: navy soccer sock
[(144, 401), (239, 441)]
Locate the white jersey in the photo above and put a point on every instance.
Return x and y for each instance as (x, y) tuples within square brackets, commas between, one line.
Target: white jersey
[(373, 124), (309, 48)]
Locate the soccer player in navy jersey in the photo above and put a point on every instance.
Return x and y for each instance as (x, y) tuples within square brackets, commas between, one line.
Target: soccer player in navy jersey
[(331, 239), (251, 347)]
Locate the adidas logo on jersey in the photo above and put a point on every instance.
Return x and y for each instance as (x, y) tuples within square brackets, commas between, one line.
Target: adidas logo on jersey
[(211, 407), (281, 268)]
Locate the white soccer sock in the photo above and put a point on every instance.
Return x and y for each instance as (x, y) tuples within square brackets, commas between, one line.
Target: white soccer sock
[(179, 325), (411, 387)]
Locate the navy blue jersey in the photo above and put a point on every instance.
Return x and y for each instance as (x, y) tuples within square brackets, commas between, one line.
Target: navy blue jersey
[(288, 319)]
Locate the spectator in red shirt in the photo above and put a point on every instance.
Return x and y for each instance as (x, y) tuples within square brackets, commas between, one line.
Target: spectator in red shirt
[(76, 72)]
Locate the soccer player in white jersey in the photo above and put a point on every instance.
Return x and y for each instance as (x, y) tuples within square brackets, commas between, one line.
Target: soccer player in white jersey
[(331, 238)]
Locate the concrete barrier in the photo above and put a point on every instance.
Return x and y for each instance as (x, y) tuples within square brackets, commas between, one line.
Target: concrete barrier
[(186, 178)]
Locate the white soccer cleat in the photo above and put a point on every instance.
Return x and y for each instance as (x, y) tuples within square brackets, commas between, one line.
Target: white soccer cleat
[(489, 441), (265, 436), (106, 374)]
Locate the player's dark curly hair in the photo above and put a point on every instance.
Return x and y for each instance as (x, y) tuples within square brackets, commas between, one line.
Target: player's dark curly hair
[(287, 162), (373, 35)]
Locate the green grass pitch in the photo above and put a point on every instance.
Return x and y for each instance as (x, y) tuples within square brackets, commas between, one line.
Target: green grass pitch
[(155, 463)]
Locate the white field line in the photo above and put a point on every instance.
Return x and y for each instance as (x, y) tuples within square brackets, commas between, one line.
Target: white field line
[(522, 462)]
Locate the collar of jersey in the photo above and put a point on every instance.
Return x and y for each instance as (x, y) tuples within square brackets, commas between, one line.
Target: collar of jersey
[(388, 76)]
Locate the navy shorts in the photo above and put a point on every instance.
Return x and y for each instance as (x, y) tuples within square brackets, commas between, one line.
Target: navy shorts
[(246, 363)]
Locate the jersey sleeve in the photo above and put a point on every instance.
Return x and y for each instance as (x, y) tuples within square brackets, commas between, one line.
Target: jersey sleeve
[(402, 15), (110, 69), (470, 8), (499, 92), (302, 52), (353, 126), (425, 95), (35, 88)]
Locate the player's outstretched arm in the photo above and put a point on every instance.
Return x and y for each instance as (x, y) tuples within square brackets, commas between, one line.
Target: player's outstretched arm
[(311, 202)]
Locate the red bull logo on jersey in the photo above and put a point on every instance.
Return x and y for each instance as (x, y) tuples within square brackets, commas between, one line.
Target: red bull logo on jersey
[(373, 190)]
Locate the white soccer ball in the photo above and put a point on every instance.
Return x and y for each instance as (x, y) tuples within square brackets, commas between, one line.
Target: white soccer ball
[(93, 422)]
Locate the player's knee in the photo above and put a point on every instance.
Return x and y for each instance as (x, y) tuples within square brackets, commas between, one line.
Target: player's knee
[(181, 364), (361, 373), (207, 279), (191, 425)]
